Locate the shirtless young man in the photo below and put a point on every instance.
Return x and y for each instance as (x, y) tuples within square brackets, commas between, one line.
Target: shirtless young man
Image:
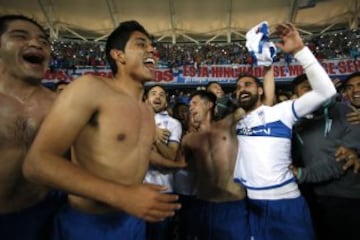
[(210, 152), (111, 131), (24, 58)]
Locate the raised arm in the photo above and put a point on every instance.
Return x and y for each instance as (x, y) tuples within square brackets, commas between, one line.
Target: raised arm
[(269, 86), (322, 87)]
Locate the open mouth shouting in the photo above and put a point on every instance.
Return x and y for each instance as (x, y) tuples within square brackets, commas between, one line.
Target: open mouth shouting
[(35, 59), (150, 63)]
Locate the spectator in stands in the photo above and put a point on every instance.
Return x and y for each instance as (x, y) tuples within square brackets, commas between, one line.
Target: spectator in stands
[(320, 141), (26, 209), (111, 132)]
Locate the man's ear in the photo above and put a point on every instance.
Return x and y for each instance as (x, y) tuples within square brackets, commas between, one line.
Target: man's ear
[(261, 91), (212, 105), (117, 55)]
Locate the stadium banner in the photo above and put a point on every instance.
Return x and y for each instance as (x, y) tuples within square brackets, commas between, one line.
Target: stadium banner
[(201, 75)]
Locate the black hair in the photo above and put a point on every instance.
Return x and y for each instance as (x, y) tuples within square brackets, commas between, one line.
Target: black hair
[(243, 75), (177, 106), (151, 87), (297, 80), (210, 83), (6, 19), (208, 96), (355, 74), (118, 39)]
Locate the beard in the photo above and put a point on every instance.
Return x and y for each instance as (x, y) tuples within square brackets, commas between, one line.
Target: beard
[(250, 103)]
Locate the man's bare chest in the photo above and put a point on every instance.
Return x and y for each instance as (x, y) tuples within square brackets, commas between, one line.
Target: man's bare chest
[(18, 123)]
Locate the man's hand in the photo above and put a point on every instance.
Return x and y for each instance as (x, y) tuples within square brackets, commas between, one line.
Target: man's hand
[(354, 116), (294, 170), (350, 156), (146, 201), (162, 135), (291, 41)]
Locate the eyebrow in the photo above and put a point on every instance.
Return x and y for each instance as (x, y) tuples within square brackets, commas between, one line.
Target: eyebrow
[(42, 36), (142, 39)]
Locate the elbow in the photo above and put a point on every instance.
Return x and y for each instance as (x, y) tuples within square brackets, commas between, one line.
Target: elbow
[(328, 94), (332, 92)]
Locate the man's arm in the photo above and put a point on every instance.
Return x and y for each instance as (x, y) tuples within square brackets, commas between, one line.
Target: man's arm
[(158, 160), (323, 170), (169, 148), (269, 86), (327, 165), (322, 87), (45, 164)]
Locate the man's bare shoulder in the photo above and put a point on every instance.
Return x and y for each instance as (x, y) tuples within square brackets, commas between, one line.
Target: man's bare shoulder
[(89, 81), (195, 138), (86, 86)]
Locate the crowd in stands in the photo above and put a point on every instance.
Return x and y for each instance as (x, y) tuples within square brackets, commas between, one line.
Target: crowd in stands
[(68, 54)]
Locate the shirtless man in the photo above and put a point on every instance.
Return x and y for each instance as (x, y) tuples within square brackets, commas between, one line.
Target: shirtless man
[(210, 152), (111, 131), (24, 58)]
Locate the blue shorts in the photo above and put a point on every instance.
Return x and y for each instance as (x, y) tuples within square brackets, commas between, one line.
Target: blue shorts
[(222, 221), (71, 224), (33, 223), (280, 219), (185, 225)]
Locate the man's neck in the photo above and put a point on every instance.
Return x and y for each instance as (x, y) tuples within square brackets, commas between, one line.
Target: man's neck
[(129, 86)]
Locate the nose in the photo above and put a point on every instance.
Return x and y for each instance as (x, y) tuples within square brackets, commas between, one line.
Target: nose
[(151, 48), (35, 42)]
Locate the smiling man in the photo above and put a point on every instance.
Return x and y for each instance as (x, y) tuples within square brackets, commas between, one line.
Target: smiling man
[(352, 92), (168, 136), (24, 58), (111, 132)]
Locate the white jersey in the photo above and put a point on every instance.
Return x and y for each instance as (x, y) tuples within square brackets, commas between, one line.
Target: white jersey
[(163, 120), (264, 135), (264, 155)]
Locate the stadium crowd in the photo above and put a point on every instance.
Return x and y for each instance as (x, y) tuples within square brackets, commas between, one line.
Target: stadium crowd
[(69, 53)]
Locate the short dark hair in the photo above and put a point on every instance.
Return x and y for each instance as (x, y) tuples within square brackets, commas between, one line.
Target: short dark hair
[(208, 96), (152, 86), (355, 74), (118, 39), (6, 19), (297, 80), (243, 75), (211, 83)]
